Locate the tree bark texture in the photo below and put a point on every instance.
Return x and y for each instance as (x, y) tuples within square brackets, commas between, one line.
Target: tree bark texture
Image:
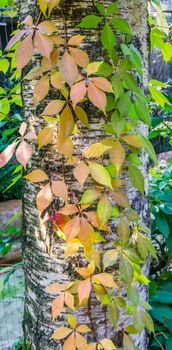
[(43, 251)]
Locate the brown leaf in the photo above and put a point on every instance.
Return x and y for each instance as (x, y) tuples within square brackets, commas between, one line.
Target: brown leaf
[(41, 89), (57, 306), (117, 155), (45, 137), (36, 175), (44, 198), (7, 153), (81, 172), (43, 43), (57, 81), (68, 68), (76, 40), (66, 122), (102, 84), (84, 290), (59, 188), (80, 57), (72, 228), (78, 92), (53, 107), (97, 97), (24, 52), (47, 27), (23, 153), (69, 209)]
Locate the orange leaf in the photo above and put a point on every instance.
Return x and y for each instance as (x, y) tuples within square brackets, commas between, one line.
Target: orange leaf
[(117, 155), (61, 333), (105, 279), (55, 288), (81, 342), (66, 122), (68, 68), (23, 128), (76, 39), (69, 300), (93, 218), (45, 137), (53, 107), (59, 188), (69, 209), (43, 43), (97, 97), (84, 290), (41, 89), (24, 52), (81, 172), (86, 272), (70, 343), (80, 57), (7, 153), (54, 57), (23, 153), (72, 228), (36, 175), (78, 92), (44, 198), (57, 306), (86, 234), (57, 81), (102, 84), (47, 27)]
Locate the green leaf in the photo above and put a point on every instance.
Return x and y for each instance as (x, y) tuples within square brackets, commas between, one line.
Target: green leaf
[(108, 38), (133, 255), (136, 178), (128, 342), (162, 296), (126, 269), (105, 69), (124, 103), (110, 258), (142, 110), (90, 195), (133, 295), (112, 8), (131, 214), (121, 24), (4, 106), (129, 81), (159, 97), (138, 321), (117, 85), (100, 8), (149, 148), (104, 210), (4, 65), (113, 314), (161, 312), (90, 21), (100, 174), (123, 232), (118, 124), (162, 224), (168, 344)]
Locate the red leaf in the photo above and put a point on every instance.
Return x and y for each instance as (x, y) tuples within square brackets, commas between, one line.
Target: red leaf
[(24, 52), (59, 188), (7, 153), (23, 153), (44, 198), (80, 57), (15, 38), (102, 84), (53, 107), (78, 92), (41, 89), (97, 97), (43, 43), (57, 306), (84, 290), (68, 68)]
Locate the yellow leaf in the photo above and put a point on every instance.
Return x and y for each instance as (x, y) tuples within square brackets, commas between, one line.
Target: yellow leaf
[(61, 333), (83, 328), (105, 279), (36, 175), (100, 174), (45, 137), (57, 306), (96, 150), (117, 155), (44, 198), (72, 321)]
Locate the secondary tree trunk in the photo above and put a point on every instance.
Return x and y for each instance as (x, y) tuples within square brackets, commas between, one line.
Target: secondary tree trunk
[(42, 250)]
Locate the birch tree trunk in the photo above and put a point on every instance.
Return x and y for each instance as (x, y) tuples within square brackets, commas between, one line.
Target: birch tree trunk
[(43, 252)]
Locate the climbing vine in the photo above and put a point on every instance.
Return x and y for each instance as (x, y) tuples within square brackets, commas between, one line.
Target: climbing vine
[(114, 88)]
